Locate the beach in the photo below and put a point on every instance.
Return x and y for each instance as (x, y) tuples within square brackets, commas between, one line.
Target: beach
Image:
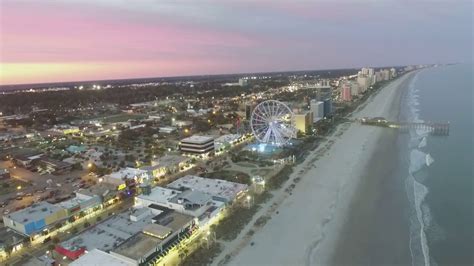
[(348, 205)]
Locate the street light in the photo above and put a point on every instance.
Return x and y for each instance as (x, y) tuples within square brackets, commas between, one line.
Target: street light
[(18, 187), (249, 198)]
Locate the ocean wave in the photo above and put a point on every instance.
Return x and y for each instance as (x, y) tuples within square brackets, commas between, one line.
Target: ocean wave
[(422, 143), (418, 161)]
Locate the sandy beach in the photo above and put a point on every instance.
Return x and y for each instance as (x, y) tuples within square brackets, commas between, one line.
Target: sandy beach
[(339, 212)]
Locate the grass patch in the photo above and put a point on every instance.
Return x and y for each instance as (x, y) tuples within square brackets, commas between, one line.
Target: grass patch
[(229, 175), (238, 217), (276, 181), (202, 255)]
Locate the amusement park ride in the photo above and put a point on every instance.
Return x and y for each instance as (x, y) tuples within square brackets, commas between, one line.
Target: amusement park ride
[(272, 123)]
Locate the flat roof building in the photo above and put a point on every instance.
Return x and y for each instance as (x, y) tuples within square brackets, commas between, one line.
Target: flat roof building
[(167, 164), (106, 235), (35, 218), (118, 178), (197, 145), (99, 257), (189, 202), (156, 239), (220, 190)]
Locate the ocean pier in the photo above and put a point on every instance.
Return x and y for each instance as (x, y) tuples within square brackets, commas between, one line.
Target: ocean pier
[(432, 128)]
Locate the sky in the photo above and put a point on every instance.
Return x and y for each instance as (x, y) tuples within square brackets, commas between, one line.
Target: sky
[(74, 40)]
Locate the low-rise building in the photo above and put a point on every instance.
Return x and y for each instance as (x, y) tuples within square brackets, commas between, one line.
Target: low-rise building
[(99, 257), (194, 203), (226, 141), (197, 145), (54, 166), (80, 203), (220, 190), (10, 241), (167, 130), (156, 239), (4, 173), (105, 236), (107, 193), (167, 164), (35, 218), (120, 177)]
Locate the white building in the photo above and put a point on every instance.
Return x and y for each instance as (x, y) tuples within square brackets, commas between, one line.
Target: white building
[(226, 141), (99, 257), (197, 145), (190, 202), (317, 108), (118, 178), (220, 190), (167, 164), (243, 82), (363, 82)]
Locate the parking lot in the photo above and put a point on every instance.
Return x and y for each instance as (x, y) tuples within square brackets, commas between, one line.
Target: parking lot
[(26, 187)]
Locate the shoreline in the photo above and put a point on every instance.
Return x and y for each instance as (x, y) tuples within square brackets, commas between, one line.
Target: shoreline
[(377, 226), (306, 229)]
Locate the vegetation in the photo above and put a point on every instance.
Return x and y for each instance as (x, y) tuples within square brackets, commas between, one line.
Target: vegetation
[(238, 216), (202, 255)]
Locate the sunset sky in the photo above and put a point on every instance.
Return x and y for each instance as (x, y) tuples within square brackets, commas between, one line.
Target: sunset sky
[(71, 40)]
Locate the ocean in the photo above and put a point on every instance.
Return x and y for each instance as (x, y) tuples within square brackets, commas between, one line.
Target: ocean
[(439, 169)]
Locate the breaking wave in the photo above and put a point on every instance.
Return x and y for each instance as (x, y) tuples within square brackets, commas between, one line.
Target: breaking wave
[(420, 216)]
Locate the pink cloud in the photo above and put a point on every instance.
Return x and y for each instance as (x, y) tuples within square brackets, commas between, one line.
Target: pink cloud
[(65, 34)]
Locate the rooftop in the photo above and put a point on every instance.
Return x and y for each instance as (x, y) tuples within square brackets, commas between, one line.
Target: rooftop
[(140, 245), (227, 138), (98, 257), (127, 173), (100, 189), (160, 195), (198, 139), (166, 161), (215, 187), (192, 197), (108, 234), (35, 212), (70, 203)]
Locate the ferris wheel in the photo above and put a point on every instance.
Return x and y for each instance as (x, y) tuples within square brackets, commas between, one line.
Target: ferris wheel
[(271, 122)]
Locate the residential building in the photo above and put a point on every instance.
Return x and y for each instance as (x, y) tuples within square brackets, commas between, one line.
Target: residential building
[(327, 105), (317, 108), (346, 94), (363, 82), (303, 122)]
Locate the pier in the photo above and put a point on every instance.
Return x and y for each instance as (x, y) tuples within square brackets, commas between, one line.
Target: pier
[(432, 128)]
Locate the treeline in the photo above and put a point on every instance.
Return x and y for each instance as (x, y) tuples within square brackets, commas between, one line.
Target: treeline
[(63, 100)]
